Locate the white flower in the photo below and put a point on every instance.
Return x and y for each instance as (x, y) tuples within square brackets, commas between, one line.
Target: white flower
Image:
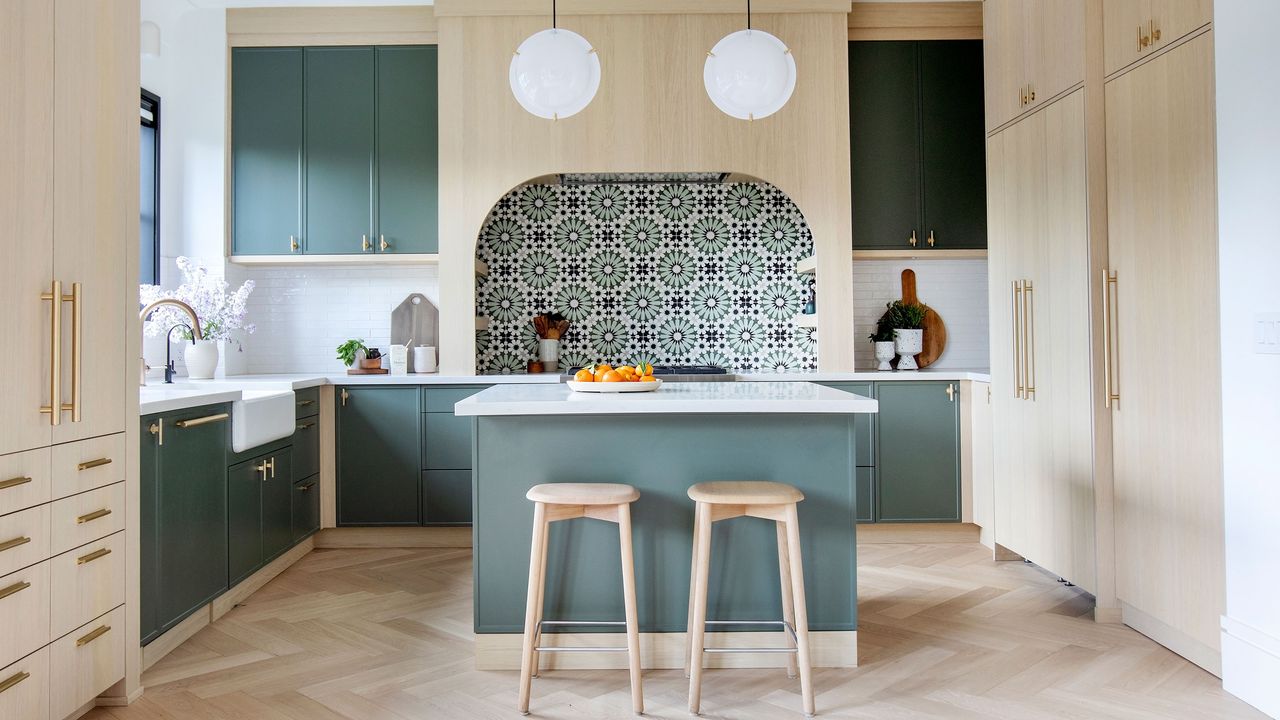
[(220, 312)]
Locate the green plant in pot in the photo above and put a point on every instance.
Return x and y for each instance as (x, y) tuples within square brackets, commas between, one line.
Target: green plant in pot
[(350, 351), (882, 338), (907, 321)]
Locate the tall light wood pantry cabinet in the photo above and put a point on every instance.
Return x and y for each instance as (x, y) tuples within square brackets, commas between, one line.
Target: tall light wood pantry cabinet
[(69, 206)]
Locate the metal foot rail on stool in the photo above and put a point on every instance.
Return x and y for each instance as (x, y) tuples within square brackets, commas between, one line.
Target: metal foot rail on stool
[(770, 501), (566, 501)]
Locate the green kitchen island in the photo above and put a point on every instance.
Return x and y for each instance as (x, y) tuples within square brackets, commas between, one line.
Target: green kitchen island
[(661, 443)]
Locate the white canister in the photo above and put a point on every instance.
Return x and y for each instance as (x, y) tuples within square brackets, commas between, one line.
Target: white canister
[(399, 360), (424, 359), (549, 354)]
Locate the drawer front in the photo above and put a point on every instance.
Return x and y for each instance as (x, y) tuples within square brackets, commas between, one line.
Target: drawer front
[(86, 517), (446, 442), (306, 448), (306, 507), (25, 480), (442, 399), (86, 582), (87, 464), (85, 662), (24, 612), (24, 538), (307, 402), (24, 688)]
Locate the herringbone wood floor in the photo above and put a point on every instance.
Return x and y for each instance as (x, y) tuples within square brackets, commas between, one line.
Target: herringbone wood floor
[(944, 632)]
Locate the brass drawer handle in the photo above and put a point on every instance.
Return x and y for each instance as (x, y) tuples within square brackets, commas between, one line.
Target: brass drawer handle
[(306, 425), (93, 636), (13, 680), (14, 588), (99, 553), (93, 516), (197, 422), (13, 482), (304, 403), (16, 542), (91, 464), (308, 486)]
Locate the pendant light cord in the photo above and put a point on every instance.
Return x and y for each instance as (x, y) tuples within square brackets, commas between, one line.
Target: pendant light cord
[(748, 14), (553, 14)]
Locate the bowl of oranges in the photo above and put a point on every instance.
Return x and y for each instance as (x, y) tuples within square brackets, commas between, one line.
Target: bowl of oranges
[(604, 378)]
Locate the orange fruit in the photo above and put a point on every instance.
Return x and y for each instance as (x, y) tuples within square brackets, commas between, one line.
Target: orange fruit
[(648, 378), (644, 368), (627, 372), (584, 375), (600, 370), (612, 376)]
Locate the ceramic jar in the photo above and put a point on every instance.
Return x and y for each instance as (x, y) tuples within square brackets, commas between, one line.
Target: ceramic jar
[(908, 344)]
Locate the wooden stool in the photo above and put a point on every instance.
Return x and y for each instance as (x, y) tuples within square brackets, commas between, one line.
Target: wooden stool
[(566, 501), (771, 501)]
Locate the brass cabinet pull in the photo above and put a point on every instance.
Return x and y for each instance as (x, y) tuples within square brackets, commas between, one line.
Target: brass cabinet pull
[(103, 630), (99, 553), (293, 243), (1111, 396), (54, 296), (93, 516), (306, 425), (271, 467), (77, 349), (1154, 32), (308, 486), (364, 243), (912, 241), (197, 422), (951, 392), (157, 429), (261, 468), (1032, 96), (304, 403), (13, 679), (15, 542), (90, 464), (14, 588), (1029, 338), (931, 239), (1015, 304), (345, 395), (13, 482), (383, 245)]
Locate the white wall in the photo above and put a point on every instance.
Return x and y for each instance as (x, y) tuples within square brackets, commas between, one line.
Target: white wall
[(1248, 100)]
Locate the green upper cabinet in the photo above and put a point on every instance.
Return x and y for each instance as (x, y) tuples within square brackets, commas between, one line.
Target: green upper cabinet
[(917, 145), (266, 162), (379, 460), (406, 149), (339, 121), (918, 452)]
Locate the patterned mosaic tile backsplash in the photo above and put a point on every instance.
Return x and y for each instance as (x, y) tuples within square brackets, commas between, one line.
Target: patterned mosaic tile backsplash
[(679, 274)]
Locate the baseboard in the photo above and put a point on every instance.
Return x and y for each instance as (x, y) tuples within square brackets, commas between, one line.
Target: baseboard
[(1210, 659), (665, 651), (1108, 615), (1250, 665), (402, 537), (917, 533)]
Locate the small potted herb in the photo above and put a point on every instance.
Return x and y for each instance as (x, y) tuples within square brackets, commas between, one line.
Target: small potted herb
[(907, 321), (883, 340), (350, 351)]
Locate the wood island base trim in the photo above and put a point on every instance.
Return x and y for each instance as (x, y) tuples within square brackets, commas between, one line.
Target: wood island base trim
[(393, 537)]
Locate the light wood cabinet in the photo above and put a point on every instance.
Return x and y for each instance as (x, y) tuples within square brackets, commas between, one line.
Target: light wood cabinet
[(1034, 51), (24, 688), (1133, 29), (1042, 435), (1164, 363)]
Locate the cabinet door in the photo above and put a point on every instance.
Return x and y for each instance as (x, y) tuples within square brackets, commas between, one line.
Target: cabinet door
[(884, 137), (26, 184), (1054, 51), (446, 442), (306, 448), (339, 122), (95, 203), (306, 507), (918, 465), (148, 531), (266, 150), (191, 514), (446, 497), (407, 170), (952, 145), (1163, 250), (1003, 42), (1127, 22), (244, 519), (379, 436), (277, 506)]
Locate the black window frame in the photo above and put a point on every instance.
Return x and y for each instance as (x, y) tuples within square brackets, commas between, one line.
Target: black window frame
[(151, 103)]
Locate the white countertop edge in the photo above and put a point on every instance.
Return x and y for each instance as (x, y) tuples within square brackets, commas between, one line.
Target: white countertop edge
[(181, 400), (685, 398), (868, 376)]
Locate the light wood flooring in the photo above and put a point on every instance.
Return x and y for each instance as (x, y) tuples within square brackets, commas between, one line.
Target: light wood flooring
[(944, 632)]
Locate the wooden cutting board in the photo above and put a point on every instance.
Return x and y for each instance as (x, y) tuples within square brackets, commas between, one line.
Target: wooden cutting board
[(935, 331)]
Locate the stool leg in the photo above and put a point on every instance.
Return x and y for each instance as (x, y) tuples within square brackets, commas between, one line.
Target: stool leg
[(784, 576), (542, 594), (801, 611), (537, 561), (629, 600), (693, 581), (698, 628)]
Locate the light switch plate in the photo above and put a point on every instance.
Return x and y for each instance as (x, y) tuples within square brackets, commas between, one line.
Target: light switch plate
[(1266, 333)]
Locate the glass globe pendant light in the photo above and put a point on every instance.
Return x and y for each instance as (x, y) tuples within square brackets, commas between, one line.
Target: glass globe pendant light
[(749, 74), (555, 73)]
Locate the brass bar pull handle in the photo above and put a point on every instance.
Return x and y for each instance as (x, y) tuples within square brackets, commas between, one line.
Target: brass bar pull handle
[(54, 296), (77, 349), (1110, 355), (15, 542), (931, 240), (913, 241), (1017, 339), (306, 425), (90, 517), (100, 553), (14, 588), (1029, 341), (157, 429), (364, 243), (293, 243), (304, 403), (91, 464), (261, 468), (1154, 32), (308, 486), (103, 630), (197, 422), (13, 482), (951, 392), (383, 245), (13, 679), (345, 395), (271, 467)]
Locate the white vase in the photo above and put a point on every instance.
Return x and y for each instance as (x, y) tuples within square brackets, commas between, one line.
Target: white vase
[(885, 354), (908, 343), (201, 358), (549, 354)]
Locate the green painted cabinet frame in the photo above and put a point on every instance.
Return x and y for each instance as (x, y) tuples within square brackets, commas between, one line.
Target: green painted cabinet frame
[(259, 511), (918, 452), (407, 165), (339, 121), (446, 456), (379, 430)]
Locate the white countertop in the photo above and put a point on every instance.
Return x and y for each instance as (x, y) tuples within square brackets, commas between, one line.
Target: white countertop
[(671, 398)]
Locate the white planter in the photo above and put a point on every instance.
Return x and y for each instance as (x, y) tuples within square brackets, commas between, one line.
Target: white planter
[(885, 354), (201, 358), (549, 354), (908, 343)]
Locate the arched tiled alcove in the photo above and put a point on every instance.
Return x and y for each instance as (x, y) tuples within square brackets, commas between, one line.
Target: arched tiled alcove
[(677, 270)]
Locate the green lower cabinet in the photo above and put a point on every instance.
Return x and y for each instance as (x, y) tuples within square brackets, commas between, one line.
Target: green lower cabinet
[(306, 448), (277, 507), (306, 507), (259, 512), (446, 441), (864, 494), (446, 497), (379, 455), (918, 452)]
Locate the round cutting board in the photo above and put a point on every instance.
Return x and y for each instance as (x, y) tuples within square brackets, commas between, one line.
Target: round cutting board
[(935, 331)]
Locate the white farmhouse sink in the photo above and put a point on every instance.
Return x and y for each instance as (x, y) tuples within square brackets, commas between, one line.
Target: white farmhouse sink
[(261, 416)]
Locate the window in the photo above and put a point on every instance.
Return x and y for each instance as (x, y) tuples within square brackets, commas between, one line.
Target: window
[(149, 231)]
